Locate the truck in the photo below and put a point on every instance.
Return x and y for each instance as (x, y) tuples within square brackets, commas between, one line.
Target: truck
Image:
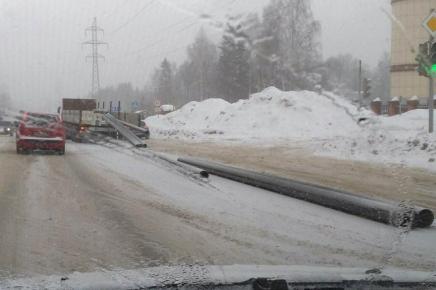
[(81, 117)]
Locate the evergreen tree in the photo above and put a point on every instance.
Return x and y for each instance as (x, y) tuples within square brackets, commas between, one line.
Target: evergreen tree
[(202, 59), (165, 83), (233, 66)]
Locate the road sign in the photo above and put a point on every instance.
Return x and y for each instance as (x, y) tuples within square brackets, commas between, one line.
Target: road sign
[(157, 103), (430, 24)]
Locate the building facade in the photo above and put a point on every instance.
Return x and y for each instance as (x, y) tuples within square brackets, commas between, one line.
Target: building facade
[(407, 33)]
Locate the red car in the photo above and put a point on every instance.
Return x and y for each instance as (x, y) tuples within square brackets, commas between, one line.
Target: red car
[(38, 131)]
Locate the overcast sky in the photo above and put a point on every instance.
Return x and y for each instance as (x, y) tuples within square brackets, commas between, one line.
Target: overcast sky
[(42, 59)]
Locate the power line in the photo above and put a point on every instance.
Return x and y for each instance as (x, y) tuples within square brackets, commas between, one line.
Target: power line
[(172, 25), (133, 17), (115, 10), (140, 50), (94, 42), (166, 28), (182, 21)]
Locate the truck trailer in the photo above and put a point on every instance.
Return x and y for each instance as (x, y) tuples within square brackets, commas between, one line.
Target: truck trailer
[(81, 118)]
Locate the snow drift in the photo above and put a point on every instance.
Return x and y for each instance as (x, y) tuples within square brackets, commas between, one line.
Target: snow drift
[(401, 139), (330, 125), (270, 114)]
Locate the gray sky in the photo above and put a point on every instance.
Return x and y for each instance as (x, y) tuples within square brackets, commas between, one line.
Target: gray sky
[(42, 59)]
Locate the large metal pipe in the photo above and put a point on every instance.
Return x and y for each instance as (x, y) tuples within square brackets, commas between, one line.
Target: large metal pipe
[(127, 133), (133, 126), (379, 211), (184, 166)]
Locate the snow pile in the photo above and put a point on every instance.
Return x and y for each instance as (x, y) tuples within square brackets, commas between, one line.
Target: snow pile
[(331, 126), (399, 139), (270, 114)]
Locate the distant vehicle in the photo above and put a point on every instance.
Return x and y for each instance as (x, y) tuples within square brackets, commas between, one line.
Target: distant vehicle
[(38, 131), (6, 128), (80, 118), (165, 109)]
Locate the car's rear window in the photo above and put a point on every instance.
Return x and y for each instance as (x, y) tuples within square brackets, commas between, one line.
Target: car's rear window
[(40, 120)]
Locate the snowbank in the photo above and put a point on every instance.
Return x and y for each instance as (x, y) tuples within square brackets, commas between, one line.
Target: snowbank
[(331, 125), (270, 114), (401, 139)]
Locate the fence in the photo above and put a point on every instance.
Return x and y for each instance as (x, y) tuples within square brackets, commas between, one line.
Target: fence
[(394, 107), (403, 108)]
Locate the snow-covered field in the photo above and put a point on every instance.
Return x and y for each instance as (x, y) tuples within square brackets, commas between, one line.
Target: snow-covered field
[(327, 123)]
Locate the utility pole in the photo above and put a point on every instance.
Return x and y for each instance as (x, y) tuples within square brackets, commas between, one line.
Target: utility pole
[(431, 107), (427, 63), (432, 55), (360, 82), (95, 56), (430, 98)]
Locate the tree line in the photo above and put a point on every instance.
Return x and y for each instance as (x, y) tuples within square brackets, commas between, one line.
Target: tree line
[(281, 48)]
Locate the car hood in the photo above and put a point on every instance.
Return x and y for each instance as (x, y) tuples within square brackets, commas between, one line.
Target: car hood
[(237, 275)]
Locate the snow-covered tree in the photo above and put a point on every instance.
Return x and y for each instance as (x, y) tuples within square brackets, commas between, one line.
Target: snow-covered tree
[(342, 73), (233, 65), (186, 81), (280, 48), (202, 59), (165, 83), (290, 51)]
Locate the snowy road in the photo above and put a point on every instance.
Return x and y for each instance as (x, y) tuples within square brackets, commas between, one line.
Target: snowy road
[(98, 208)]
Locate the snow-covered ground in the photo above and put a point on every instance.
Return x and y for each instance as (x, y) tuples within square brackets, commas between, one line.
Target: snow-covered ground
[(401, 139), (269, 226), (326, 122)]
